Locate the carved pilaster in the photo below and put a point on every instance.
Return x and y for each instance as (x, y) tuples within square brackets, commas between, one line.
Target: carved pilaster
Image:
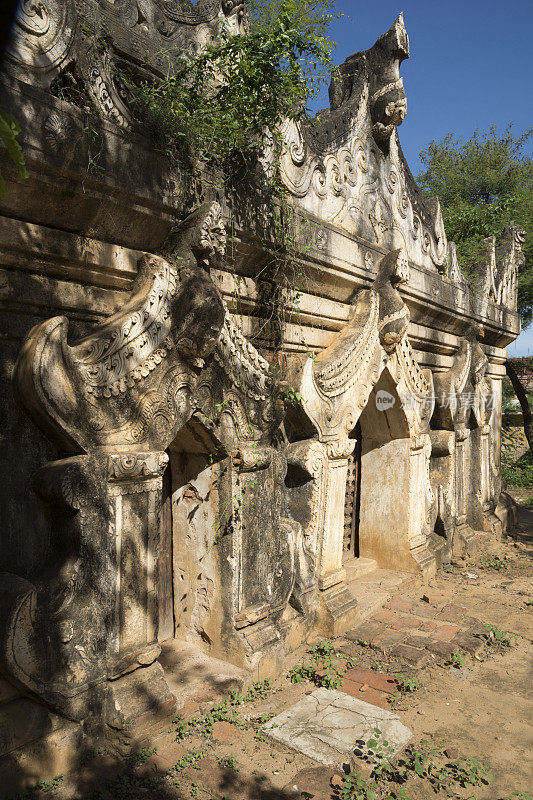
[(134, 491)]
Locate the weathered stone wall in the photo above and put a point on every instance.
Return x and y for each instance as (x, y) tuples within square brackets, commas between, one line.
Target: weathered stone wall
[(154, 482)]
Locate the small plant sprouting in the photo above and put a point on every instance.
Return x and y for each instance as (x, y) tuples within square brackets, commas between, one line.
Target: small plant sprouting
[(355, 787), (407, 685), (457, 658), (225, 711), (326, 669), (143, 755), (292, 397), (469, 772), (418, 761), (228, 762), (495, 636)]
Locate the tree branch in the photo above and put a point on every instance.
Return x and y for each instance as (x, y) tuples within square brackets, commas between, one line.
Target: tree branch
[(522, 399)]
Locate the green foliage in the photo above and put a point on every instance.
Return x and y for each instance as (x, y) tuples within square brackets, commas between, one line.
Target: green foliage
[(9, 130), (470, 772), (42, 787), (407, 685), (457, 658), (520, 796), (326, 668), (355, 787), (383, 754), (142, 756), (422, 762), (292, 397), (228, 762), (225, 711), (221, 712), (483, 183), (495, 563), (230, 97), (520, 473), (495, 636)]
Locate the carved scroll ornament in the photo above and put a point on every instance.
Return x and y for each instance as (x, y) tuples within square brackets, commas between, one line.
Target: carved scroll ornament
[(336, 386), (138, 377), (346, 166)]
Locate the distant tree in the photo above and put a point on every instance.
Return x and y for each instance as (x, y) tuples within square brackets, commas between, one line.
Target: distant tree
[(519, 371), (482, 184)]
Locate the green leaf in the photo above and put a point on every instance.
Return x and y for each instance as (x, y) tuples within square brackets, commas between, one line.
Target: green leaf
[(9, 129)]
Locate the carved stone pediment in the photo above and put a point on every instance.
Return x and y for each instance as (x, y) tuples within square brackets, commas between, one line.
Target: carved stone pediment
[(497, 270), (172, 349), (336, 386), (346, 166)]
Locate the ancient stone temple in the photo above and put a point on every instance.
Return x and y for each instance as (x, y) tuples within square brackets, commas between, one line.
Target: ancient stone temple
[(170, 470)]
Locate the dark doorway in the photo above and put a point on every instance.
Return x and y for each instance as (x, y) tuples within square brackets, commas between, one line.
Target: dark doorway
[(352, 501), (166, 593)]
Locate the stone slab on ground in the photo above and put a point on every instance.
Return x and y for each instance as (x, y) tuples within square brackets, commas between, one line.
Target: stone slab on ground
[(327, 726)]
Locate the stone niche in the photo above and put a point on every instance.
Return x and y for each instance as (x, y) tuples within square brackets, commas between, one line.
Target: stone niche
[(158, 483)]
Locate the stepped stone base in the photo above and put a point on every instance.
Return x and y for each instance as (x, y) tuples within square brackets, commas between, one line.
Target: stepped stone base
[(339, 611), (138, 704)]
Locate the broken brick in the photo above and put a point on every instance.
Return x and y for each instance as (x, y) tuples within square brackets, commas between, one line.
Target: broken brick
[(446, 632), (401, 623), (451, 613), (386, 616), (377, 680), (471, 644), (368, 695), (414, 656), (424, 610), (435, 597), (441, 648), (365, 632), (426, 625), (225, 732)]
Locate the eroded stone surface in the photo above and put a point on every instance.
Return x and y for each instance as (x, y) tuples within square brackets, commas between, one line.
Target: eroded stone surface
[(135, 348), (327, 726)]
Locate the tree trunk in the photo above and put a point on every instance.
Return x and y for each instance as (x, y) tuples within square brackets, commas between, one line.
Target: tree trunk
[(522, 399)]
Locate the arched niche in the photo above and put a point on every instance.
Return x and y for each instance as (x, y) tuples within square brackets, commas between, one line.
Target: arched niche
[(190, 515), (385, 516)]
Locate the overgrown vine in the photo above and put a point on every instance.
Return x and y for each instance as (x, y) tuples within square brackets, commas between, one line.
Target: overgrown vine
[(217, 114)]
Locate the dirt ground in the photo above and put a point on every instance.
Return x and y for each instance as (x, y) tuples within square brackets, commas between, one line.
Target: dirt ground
[(480, 709)]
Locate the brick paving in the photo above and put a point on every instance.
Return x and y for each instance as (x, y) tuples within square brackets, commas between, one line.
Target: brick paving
[(414, 630), (368, 685)]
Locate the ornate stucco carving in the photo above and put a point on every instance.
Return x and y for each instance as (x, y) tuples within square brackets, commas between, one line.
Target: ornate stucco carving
[(311, 456), (170, 356), (138, 368), (497, 270), (381, 67), (346, 166), (335, 386), (42, 36), (172, 19), (394, 315), (139, 377), (52, 641), (509, 261)]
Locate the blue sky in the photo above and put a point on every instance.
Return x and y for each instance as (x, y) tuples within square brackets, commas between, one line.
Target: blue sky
[(470, 67)]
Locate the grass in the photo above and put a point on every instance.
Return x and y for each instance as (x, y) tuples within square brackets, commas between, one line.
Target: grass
[(518, 474)]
